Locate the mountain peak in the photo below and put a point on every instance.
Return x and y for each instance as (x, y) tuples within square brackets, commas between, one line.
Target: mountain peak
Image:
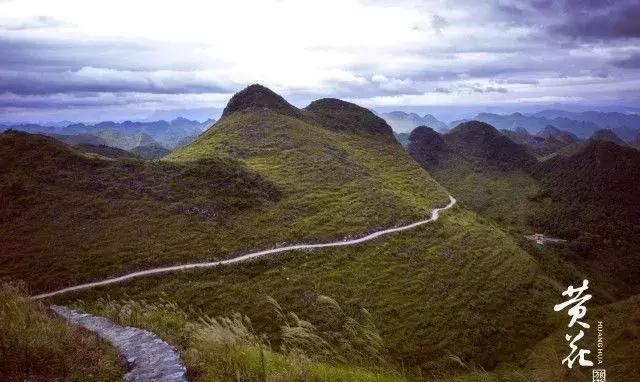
[(475, 129), (552, 132), (259, 97), (425, 145), (607, 135), (341, 115), (479, 139)]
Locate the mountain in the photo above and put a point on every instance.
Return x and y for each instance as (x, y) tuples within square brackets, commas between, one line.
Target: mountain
[(594, 196), (116, 138), (585, 195), (608, 120), (635, 143), (108, 205), (547, 141), (402, 138), (80, 139), (480, 140), (533, 123), (627, 134), (166, 133), (426, 146), (347, 117), (485, 169), (257, 97), (405, 122), (607, 135), (105, 151), (552, 132), (521, 136)]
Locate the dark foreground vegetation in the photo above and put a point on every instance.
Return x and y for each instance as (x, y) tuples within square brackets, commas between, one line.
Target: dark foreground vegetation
[(35, 346)]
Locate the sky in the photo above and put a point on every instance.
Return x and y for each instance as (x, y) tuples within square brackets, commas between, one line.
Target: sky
[(85, 60)]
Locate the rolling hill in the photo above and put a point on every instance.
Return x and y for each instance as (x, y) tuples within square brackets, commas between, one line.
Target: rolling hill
[(585, 195), (594, 192), (483, 167), (268, 173)]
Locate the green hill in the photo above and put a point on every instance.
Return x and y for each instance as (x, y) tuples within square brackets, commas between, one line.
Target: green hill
[(486, 170), (585, 195), (595, 204), (267, 173), (69, 217)]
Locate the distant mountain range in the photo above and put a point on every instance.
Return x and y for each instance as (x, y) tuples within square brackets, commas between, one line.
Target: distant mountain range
[(125, 135), (402, 122), (583, 125)]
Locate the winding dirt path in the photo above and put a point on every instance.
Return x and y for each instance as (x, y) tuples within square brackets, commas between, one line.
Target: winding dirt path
[(113, 280)]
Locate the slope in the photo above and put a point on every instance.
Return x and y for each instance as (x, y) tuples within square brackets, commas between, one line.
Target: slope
[(482, 167), (68, 216), (595, 204)]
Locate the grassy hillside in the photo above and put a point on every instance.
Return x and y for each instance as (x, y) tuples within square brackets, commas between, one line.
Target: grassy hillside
[(596, 204), (484, 169), (34, 346), (256, 179), (431, 293), (68, 217), (505, 196)]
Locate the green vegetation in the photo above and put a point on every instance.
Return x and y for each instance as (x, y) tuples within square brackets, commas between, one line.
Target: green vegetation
[(484, 169), (503, 195), (596, 205), (73, 218), (85, 218), (37, 347), (333, 347), (430, 292)]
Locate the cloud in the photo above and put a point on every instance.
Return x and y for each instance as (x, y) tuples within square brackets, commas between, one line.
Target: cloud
[(629, 62), (438, 23), (599, 20), (74, 55), (106, 80)]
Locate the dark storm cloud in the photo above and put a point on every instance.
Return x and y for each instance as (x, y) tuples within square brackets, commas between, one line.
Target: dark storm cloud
[(588, 20), (62, 101)]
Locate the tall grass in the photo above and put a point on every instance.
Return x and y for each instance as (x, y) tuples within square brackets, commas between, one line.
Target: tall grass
[(37, 347), (335, 347)]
